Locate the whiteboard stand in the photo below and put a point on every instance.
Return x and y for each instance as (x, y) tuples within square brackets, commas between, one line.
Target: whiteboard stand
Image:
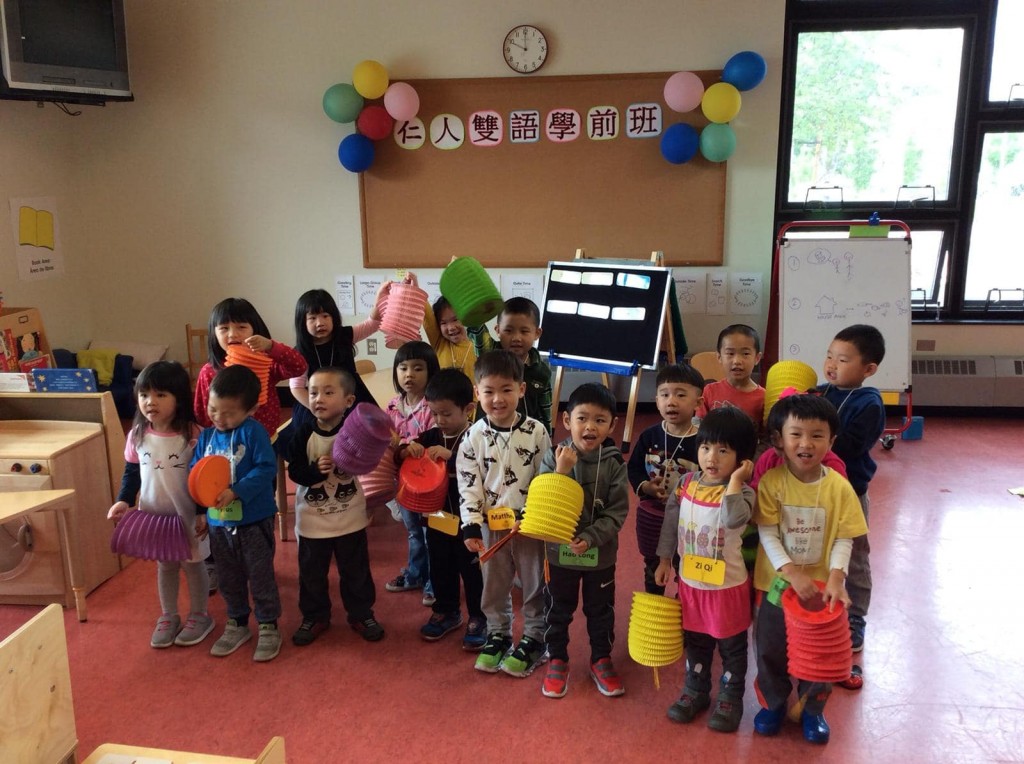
[(668, 346)]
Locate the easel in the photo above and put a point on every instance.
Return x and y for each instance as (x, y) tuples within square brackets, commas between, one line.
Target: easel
[(667, 345)]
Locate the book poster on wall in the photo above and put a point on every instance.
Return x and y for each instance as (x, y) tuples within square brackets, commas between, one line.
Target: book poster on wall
[(36, 230)]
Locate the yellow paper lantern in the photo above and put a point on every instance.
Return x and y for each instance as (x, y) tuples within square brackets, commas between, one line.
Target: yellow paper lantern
[(553, 508), (655, 636)]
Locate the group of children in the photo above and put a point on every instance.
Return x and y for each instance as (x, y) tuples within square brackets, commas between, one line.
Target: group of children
[(485, 412)]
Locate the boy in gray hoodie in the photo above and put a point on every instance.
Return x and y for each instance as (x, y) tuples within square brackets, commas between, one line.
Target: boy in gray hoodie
[(591, 458)]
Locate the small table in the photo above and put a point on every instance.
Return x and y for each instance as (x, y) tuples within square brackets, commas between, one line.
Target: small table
[(17, 504)]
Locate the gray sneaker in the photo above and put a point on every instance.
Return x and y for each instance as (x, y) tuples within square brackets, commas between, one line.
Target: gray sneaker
[(167, 628), (269, 643), (234, 636), (197, 627)]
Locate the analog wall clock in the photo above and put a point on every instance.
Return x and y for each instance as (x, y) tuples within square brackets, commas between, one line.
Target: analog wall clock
[(525, 49)]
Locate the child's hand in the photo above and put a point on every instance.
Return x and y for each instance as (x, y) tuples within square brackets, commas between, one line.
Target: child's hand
[(201, 527), (259, 344), (802, 583), (440, 453), (475, 545), (742, 473), (414, 449), (579, 546), (382, 291), (835, 590), (663, 573), (325, 464), (565, 459), (410, 278), (224, 498), (655, 488), (118, 511)]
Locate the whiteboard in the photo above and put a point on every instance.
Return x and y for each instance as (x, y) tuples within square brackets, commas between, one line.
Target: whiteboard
[(826, 285)]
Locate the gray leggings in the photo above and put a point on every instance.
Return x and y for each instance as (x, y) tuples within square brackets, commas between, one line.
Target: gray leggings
[(197, 579)]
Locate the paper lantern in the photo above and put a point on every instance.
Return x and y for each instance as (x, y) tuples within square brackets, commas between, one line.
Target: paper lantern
[(470, 291), (554, 504)]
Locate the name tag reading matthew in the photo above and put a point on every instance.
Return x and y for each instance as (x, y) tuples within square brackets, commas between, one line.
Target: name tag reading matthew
[(500, 518), (568, 557), (707, 570)]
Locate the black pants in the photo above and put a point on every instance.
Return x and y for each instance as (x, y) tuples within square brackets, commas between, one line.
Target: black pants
[(450, 561), (352, 556), (562, 596), (700, 651), (651, 565)]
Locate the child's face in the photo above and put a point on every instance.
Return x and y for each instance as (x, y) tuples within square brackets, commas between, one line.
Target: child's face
[(517, 333), (28, 342), (226, 413), (804, 444), (450, 326), (677, 401), (845, 367), (589, 426), (328, 399), (738, 357), (158, 406), (412, 376), (717, 461), (499, 397), (233, 333), (320, 326), (450, 417)]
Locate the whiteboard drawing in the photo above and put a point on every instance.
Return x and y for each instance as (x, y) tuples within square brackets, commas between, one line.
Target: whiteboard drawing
[(794, 303), (841, 264), (826, 306), (794, 263)]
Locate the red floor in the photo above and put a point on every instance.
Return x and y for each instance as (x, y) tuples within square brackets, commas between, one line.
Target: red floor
[(942, 660)]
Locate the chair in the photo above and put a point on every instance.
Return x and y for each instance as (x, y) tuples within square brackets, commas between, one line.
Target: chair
[(365, 366), (707, 364), (281, 492), (198, 352)]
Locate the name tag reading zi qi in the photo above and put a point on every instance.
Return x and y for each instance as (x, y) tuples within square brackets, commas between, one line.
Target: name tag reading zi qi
[(500, 518), (707, 570)]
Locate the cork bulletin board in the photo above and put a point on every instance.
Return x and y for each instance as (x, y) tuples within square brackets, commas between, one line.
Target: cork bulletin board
[(526, 204)]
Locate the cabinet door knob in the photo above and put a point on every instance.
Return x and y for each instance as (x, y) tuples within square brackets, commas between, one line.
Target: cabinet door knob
[(36, 468)]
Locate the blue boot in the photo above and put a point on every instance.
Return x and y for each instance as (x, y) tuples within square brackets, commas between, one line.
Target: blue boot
[(816, 729), (768, 721)]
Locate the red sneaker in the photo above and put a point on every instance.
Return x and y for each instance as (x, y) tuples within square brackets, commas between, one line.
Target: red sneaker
[(556, 683), (606, 678)]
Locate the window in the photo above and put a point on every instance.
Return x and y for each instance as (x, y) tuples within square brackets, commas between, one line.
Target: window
[(914, 110)]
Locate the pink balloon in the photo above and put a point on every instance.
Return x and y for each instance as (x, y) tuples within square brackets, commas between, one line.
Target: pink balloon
[(402, 101), (683, 91), (374, 122)]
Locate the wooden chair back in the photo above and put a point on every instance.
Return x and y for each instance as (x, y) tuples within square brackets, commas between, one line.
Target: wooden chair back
[(198, 353), (365, 366), (707, 364)]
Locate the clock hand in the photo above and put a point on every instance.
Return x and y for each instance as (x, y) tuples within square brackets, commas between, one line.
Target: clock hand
[(513, 42)]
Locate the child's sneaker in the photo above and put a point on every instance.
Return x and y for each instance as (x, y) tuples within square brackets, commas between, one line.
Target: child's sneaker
[(234, 636), (688, 706), (857, 625), (429, 599), (492, 653), (369, 629), (476, 635), (197, 627), (521, 662), (439, 625), (167, 628), (606, 678), (307, 633), (556, 682), (402, 583), (268, 644), (726, 716)]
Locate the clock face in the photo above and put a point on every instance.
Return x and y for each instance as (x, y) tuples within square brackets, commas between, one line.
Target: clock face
[(525, 49)]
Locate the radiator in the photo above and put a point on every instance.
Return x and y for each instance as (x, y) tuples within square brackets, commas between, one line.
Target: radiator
[(968, 381)]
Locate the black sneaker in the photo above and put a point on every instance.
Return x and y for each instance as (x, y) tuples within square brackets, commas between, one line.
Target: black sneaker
[(726, 716), (309, 631), (857, 633), (494, 650), (521, 662), (369, 629), (687, 707)]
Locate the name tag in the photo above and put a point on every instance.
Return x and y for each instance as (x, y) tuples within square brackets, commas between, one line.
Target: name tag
[(444, 522), (707, 570), (779, 585), (568, 557), (500, 518), (231, 513)]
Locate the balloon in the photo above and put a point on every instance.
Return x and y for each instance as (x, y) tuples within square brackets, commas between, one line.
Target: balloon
[(375, 123), (370, 79), (356, 153), (679, 143), (683, 91), (717, 142), (721, 102), (402, 101), (745, 70), (342, 103)]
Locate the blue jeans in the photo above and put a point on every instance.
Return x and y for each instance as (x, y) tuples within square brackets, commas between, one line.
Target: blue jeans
[(418, 566)]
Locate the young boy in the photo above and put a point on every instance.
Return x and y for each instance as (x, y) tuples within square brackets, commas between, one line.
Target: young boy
[(518, 330), (498, 458), (853, 356), (330, 515), (663, 454), (591, 458), (807, 517), (449, 395), (739, 351), (242, 521)]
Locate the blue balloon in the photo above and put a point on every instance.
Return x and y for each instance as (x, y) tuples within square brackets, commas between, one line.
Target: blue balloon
[(745, 70), (356, 153), (679, 143)]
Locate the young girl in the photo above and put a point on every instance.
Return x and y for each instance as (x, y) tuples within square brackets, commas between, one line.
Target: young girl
[(447, 336), (704, 519), (415, 364), (157, 455), (234, 321)]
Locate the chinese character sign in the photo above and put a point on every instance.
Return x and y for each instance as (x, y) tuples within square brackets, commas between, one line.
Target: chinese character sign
[(486, 128), (524, 126), (562, 125)]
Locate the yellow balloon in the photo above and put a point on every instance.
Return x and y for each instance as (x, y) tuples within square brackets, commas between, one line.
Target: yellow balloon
[(370, 79), (721, 102)]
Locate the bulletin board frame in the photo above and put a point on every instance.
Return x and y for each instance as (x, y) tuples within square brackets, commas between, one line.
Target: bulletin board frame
[(526, 204)]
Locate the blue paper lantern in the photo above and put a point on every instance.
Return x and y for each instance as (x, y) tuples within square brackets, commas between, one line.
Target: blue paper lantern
[(679, 143), (356, 153), (745, 70)]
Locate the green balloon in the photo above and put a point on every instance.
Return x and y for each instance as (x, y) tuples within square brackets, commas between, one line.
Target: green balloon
[(717, 142), (342, 103)]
